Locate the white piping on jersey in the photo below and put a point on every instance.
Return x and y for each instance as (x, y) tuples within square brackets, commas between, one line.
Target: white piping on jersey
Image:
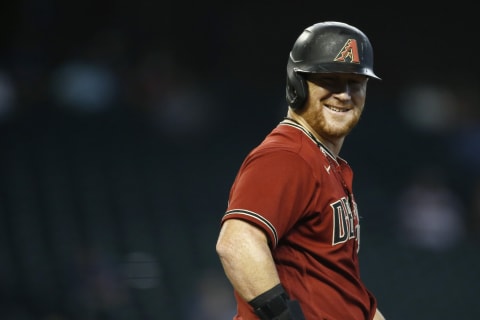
[(257, 217), (324, 149)]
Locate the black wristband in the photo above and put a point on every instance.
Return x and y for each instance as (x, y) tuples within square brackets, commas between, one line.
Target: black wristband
[(271, 303)]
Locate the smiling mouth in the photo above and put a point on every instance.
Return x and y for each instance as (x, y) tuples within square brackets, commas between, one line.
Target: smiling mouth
[(336, 109)]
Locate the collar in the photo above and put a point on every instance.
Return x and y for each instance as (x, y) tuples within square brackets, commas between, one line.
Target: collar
[(292, 123)]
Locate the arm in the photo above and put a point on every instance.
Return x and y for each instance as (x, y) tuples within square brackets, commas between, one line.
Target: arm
[(248, 263), (246, 258)]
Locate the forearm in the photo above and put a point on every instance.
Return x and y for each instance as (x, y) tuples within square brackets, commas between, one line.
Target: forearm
[(246, 259), (250, 280)]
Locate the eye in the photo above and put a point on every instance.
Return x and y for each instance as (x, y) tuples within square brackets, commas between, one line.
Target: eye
[(323, 80), (356, 82), (337, 81)]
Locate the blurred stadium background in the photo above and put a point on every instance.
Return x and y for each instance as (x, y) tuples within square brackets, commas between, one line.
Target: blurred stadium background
[(122, 125)]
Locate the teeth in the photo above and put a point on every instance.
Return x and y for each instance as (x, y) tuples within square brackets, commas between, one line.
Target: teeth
[(335, 109)]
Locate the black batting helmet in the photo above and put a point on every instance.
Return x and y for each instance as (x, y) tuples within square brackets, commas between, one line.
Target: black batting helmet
[(326, 47)]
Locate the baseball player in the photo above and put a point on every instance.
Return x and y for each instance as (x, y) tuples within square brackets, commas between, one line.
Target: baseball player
[(290, 237)]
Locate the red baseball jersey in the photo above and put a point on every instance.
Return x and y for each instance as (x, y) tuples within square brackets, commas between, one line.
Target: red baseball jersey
[(300, 194)]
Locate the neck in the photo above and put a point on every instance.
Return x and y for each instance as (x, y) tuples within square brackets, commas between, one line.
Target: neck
[(334, 145)]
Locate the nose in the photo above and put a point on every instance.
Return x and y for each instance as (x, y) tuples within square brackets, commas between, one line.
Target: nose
[(343, 90)]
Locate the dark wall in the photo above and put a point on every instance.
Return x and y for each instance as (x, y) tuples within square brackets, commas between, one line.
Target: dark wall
[(122, 125)]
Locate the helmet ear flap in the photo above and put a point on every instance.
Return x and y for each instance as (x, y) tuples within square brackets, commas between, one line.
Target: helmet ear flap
[(297, 90)]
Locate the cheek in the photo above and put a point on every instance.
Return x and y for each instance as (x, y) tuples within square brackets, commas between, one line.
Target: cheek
[(316, 92), (359, 100), (359, 109)]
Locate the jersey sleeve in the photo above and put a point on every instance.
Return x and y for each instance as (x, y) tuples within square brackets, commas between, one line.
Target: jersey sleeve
[(271, 190)]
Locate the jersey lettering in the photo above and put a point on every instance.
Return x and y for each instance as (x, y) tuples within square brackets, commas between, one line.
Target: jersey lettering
[(345, 224)]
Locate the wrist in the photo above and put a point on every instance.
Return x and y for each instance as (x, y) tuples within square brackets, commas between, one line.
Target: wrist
[(271, 303)]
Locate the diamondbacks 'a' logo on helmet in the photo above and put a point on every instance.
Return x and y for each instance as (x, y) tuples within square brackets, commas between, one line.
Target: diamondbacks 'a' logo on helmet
[(349, 50)]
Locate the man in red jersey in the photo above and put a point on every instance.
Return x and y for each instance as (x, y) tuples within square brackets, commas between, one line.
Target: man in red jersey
[(290, 237)]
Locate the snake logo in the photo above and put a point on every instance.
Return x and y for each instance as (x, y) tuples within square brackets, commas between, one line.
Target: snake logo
[(349, 50)]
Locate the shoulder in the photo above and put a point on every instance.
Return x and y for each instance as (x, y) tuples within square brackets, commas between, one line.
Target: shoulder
[(287, 150), (287, 138)]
